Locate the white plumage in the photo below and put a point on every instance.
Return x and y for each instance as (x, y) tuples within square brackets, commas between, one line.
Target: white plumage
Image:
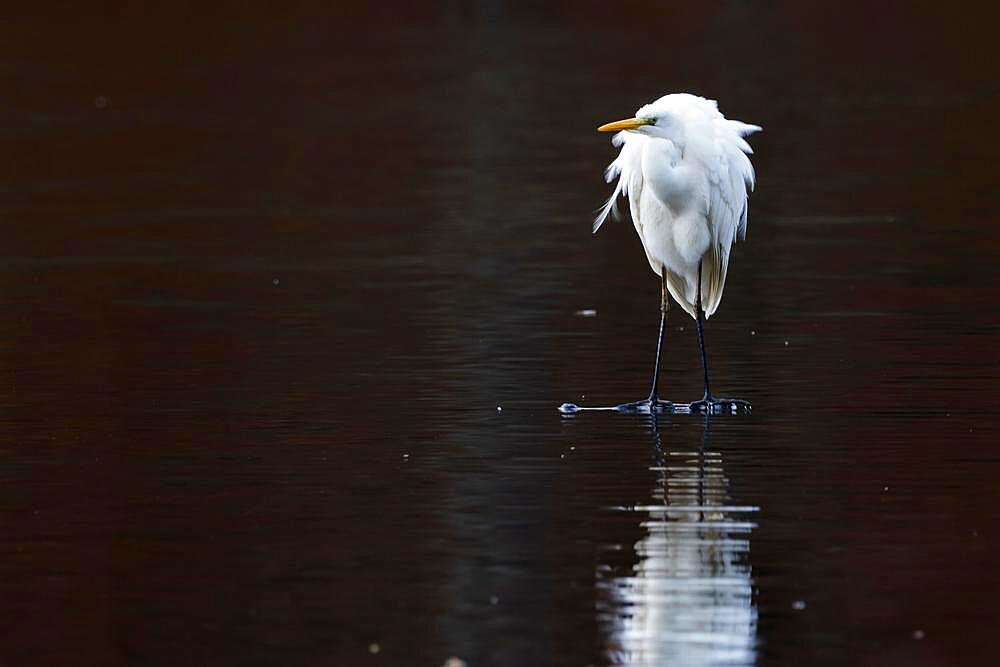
[(685, 171)]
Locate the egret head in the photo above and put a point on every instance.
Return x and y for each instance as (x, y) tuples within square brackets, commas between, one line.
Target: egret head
[(664, 119)]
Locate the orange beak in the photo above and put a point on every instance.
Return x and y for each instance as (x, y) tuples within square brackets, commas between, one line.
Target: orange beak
[(627, 124)]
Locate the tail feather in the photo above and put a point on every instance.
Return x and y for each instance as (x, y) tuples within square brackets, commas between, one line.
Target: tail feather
[(681, 291), (714, 266)]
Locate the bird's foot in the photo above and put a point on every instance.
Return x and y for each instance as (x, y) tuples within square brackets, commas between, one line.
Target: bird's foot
[(645, 407), (720, 406)]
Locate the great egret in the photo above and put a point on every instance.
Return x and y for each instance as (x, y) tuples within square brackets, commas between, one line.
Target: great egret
[(685, 171)]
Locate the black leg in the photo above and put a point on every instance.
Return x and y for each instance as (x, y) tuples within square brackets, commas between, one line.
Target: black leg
[(664, 307), (701, 339), (653, 404), (709, 404)]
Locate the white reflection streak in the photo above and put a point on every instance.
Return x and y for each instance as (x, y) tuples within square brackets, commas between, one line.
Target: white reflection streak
[(690, 598)]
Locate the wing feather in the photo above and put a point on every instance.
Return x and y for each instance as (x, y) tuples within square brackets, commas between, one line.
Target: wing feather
[(731, 179), (627, 169)]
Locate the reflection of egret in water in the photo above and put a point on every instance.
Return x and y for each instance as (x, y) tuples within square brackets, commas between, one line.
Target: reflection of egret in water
[(689, 600)]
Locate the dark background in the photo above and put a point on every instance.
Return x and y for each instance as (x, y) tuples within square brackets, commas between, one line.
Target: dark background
[(267, 275)]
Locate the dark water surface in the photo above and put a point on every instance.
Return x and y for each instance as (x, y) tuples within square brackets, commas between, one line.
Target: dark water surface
[(289, 301)]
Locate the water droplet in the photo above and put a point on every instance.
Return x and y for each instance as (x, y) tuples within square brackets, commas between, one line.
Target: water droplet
[(918, 634), (499, 409), (799, 605), (586, 312), (374, 648)]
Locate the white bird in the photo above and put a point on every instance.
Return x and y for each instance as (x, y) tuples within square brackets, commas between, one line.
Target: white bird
[(684, 169)]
